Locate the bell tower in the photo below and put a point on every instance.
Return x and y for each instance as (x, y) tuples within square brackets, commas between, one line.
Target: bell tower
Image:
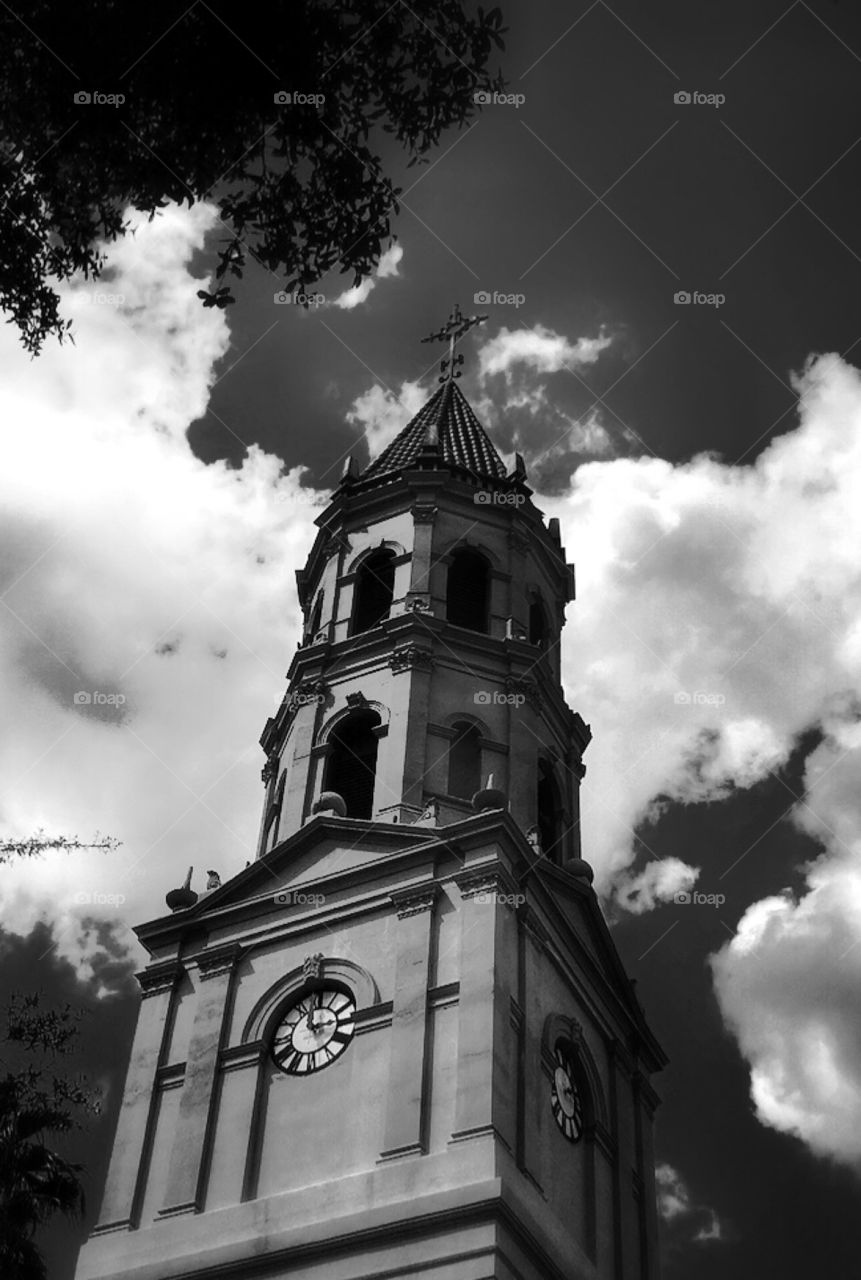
[(401, 1042)]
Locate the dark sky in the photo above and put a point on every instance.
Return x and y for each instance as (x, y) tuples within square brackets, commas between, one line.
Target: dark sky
[(755, 199)]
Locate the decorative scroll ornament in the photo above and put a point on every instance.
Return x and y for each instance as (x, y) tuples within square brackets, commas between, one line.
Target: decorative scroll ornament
[(409, 657), (312, 967)]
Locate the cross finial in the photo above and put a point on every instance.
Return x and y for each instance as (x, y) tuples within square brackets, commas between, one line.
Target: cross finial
[(451, 332)]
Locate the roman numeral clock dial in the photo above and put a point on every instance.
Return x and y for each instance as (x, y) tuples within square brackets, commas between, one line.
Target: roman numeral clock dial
[(314, 1032), (565, 1099)]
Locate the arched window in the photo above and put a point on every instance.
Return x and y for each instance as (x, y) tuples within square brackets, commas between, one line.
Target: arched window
[(538, 629), (464, 761), (352, 764), (468, 593), (549, 813), (375, 585), (316, 617)]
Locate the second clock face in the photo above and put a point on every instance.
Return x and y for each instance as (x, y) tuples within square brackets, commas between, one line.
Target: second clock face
[(314, 1032), (565, 1097)]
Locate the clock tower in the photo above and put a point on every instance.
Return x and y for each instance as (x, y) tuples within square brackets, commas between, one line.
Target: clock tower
[(401, 1042)]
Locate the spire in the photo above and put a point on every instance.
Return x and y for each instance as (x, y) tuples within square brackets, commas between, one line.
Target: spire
[(447, 425)]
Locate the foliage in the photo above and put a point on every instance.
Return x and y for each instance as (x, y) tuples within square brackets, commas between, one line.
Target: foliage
[(36, 1182), (189, 110), (34, 846)]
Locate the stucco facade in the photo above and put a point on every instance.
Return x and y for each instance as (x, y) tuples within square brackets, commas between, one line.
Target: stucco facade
[(465, 932)]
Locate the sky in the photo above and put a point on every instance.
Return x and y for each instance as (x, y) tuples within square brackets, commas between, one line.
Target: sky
[(161, 477)]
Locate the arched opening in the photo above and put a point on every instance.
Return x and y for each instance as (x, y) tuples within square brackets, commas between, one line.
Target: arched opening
[(352, 765), (464, 761), (538, 628), (468, 591), (375, 585), (549, 813)]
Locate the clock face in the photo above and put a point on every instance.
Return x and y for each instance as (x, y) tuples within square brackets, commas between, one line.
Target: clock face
[(314, 1032), (565, 1098)]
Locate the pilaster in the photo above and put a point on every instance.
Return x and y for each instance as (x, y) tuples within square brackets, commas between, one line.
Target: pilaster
[(157, 984), (486, 1053), (403, 1132), (185, 1176)]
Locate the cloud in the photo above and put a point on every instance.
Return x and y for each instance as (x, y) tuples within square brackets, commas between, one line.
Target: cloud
[(145, 616), (680, 1213), (380, 413), (718, 620), (554, 430), (658, 882), (386, 268), (788, 983), (538, 349)]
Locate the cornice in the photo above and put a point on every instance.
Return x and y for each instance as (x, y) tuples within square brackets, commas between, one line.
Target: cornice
[(488, 878), (216, 961), (415, 900), (159, 978)]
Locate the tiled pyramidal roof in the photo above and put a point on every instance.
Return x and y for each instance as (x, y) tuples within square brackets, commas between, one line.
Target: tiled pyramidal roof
[(448, 423)]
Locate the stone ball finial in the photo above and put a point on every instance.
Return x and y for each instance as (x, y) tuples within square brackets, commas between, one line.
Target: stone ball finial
[(181, 899), (580, 868), (489, 797), (330, 802)]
